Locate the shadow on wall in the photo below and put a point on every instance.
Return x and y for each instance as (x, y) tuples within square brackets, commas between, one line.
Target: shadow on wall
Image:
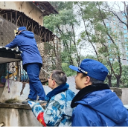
[(1, 90)]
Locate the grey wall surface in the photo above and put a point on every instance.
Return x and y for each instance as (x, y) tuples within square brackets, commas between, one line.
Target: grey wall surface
[(18, 117), (125, 96), (1, 91)]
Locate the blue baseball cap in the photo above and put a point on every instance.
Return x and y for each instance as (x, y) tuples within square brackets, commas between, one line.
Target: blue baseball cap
[(22, 28), (92, 68)]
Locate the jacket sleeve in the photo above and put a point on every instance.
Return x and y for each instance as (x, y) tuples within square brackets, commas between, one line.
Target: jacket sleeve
[(53, 113), (14, 43), (49, 116)]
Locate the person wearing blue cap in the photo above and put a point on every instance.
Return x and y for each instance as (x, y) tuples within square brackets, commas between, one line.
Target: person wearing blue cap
[(31, 60), (95, 104)]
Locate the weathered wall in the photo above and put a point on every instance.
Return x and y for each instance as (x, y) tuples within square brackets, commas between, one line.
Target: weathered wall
[(17, 91), (16, 87), (122, 93), (1, 91), (125, 95), (41, 48), (18, 117), (118, 91), (26, 7)]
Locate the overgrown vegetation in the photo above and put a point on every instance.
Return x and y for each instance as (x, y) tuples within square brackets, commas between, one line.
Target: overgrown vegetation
[(93, 16)]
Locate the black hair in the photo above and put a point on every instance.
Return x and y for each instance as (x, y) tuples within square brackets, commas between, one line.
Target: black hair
[(93, 80), (59, 76)]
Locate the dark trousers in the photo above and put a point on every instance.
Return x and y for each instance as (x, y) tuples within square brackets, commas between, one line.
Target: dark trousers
[(36, 88)]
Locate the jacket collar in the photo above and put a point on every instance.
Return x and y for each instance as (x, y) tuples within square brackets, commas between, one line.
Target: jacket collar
[(91, 88), (57, 90)]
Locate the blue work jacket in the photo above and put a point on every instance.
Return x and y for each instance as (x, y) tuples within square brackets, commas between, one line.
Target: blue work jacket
[(100, 108), (27, 44)]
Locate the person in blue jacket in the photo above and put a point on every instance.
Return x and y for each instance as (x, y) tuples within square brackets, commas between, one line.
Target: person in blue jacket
[(95, 104), (32, 62)]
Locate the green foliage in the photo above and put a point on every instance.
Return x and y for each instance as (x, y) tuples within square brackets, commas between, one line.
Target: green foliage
[(64, 57), (67, 70), (124, 77), (63, 25), (95, 32)]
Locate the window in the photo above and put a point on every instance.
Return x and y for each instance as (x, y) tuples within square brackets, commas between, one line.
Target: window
[(125, 31), (124, 27), (124, 19), (108, 37), (126, 53), (125, 36), (109, 41), (126, 40), (107, 24), (123, 14), (126, 48)]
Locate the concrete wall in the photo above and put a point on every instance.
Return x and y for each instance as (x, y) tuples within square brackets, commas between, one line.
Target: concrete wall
[(26, 7), (122, 93), (125, 96), (16, 87), (18, 92), (1, 91), (18, 117)]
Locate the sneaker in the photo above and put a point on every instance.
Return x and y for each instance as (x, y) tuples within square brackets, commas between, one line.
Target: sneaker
[(42, 101), (26, 101)]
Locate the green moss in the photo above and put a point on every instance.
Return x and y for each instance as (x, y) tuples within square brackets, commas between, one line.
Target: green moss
[(12, 101)]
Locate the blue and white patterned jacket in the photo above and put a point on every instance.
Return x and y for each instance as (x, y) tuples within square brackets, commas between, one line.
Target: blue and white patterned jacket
[(58, 111)]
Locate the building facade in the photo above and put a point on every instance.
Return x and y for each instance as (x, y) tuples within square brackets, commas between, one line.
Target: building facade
[(14, 14), (120, 34)]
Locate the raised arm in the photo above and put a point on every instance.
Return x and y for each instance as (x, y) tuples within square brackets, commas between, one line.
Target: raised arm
[(14, 43)]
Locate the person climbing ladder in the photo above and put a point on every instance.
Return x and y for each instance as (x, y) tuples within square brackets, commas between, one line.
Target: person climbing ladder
[(32, 62)]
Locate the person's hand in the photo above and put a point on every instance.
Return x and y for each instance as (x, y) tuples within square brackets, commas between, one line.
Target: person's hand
[(36, 108), (31, 103)]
